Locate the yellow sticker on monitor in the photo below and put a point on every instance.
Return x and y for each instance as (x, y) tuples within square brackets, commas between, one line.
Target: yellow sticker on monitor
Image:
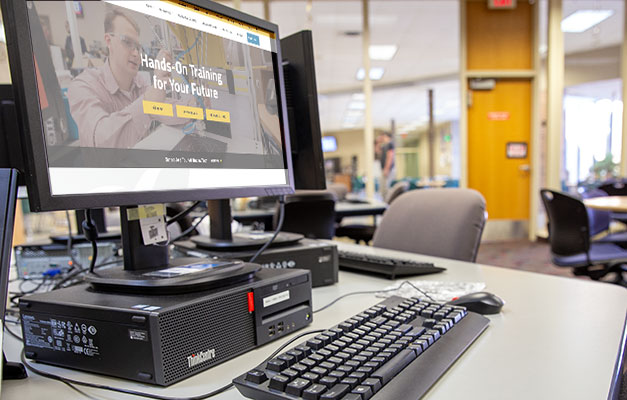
[(146, 211), (189, 112), (156, 108), (219, 116)]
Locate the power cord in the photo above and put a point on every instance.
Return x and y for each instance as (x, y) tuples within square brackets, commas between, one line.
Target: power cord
[(183, 213), (276, 231), (374, 292), (91, 234)]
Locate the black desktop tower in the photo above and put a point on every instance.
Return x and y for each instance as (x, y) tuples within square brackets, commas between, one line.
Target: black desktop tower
[(319, 257), (163, 339)]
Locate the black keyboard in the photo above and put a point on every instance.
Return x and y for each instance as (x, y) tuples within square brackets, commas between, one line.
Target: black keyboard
[(391, 267), (396, 349)]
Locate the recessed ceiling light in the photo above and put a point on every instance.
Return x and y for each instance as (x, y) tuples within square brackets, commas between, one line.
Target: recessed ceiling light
[(582, 20), (383, 52), (376, 73)]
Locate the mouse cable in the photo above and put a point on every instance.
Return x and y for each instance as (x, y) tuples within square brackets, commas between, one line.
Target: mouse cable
[(276, 231), (72, 382), (75, 262), (375, 292), (91, 234)]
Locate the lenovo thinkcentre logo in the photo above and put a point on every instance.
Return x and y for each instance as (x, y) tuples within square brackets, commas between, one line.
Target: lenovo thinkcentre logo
[(201, 357)]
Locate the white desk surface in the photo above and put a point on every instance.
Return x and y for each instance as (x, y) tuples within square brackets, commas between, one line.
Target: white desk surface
[(557, 338)]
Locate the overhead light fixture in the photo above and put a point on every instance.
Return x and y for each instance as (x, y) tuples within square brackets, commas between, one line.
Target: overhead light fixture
[(376, 73), (357, 105), (383, 52), (582, 20)]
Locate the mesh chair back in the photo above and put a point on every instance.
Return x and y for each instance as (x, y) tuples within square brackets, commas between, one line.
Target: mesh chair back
[(311, 213), (569, 232), (439, 222)]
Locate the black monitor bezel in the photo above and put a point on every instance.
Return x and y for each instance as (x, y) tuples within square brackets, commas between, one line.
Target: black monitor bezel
[(19, 48)]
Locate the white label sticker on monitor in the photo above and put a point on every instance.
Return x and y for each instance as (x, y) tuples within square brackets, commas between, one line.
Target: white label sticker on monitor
[(153, 230), (276, 298)]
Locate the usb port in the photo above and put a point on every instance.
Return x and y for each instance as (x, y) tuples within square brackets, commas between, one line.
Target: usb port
[(280, 327), (271, 330)]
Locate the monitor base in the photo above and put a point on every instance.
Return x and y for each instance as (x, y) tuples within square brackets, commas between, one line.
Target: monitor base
[(12, 370), (182, 275), (246, 241)]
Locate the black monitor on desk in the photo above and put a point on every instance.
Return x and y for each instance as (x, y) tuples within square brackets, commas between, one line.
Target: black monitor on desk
[(170, 68)]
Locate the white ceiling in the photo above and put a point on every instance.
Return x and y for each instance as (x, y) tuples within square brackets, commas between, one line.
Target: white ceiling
[(427, 35)]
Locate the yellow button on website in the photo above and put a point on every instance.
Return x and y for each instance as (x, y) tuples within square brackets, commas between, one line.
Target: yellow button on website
[(219, 116), (189, 112), (153, 107)]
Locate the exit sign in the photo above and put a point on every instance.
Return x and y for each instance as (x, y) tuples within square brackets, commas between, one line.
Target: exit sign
[(502, 4)]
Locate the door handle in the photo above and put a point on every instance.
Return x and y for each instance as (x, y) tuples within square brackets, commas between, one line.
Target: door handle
[(525, 167)]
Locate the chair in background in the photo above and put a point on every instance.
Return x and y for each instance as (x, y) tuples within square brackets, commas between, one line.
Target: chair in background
[(362, 232), (569, 237), (311, 213), (338, 189), (438, 222), (599, 221), (615, 187)]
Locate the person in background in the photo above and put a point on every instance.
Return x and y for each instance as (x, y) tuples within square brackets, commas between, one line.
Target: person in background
[(69, 50), (107, 102), (388, 172)]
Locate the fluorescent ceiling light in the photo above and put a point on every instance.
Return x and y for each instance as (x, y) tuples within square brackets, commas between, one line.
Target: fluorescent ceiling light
[(358, 97), (357, 105), (582, 20), (376, 73), (382, 52)]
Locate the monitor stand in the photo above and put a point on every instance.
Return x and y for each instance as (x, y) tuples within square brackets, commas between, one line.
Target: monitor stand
[(222, 239), (149, 270)]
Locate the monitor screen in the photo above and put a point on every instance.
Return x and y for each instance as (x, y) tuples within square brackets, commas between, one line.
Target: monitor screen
[(329, 143), (150, 101)]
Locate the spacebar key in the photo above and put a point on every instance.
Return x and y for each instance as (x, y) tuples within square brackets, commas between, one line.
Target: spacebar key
[(391, 368)]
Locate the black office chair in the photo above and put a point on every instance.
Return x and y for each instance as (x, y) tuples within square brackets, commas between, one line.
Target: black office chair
[(362, 232), (311, 213), (569, 237)]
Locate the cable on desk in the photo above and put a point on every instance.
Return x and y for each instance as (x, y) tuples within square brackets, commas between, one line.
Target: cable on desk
[(276, 231), (71, 382), (187, 231), (75, 262), (15, 335), (183, 213), (91, 234), (374, 292)]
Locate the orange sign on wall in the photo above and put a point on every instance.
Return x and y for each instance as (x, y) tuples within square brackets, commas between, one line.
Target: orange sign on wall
[(498, 115)]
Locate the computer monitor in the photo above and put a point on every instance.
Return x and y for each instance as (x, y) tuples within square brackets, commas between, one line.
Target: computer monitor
[(175, 110), (8, 196), (302, 109)]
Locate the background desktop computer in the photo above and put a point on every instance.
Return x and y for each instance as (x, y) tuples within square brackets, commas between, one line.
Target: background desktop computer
[(168, 70)]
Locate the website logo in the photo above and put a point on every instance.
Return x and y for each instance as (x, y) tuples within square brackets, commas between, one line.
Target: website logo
[(253, 39)]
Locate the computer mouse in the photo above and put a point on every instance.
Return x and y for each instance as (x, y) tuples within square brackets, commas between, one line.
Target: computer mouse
[(480, 302)]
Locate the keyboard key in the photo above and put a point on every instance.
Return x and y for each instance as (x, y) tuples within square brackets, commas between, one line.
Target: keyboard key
[(394, 365), (336, 392), (296, 386), (374, 383), (364, 391), (351, 396), (278, 382), (276, 365), (313, 392), (290, 360), (351, 382), (328, 381), (256, 376)]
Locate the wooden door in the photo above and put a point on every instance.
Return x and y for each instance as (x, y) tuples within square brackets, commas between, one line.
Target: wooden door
[(499, 151)]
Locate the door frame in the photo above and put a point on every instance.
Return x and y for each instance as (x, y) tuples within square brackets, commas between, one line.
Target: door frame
[(535, 142)]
